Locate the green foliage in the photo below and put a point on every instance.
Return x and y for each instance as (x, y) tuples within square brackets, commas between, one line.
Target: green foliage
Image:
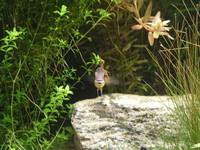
[(9, 42), (104, 14), (37, 56), (90, 66), (47, 51), (95, 60), (125, 59), (63, 11), (180, 73), (116, 1), (196, 146)]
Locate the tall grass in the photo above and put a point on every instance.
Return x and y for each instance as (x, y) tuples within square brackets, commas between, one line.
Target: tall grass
[(180, 72)]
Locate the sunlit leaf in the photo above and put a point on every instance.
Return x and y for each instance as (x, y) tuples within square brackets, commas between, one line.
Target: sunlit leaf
[(116, 1), (88, 14), (104, 13), (196, 146), (62, 11)]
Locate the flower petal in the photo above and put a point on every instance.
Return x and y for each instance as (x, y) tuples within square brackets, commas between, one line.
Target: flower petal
[(165, 29), (150, 38), (167, 34), (156, 34), (137, 27), (157, 17), (165, 23), (157, 14), (149, 28)]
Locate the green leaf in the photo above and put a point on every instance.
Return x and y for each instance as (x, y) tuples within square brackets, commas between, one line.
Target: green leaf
[(132, 8), (95, 59), (62, 11), (127, 46), (104, 13), (116, 1), (140, 4), (196, 146), (148, 12), (88, 14)]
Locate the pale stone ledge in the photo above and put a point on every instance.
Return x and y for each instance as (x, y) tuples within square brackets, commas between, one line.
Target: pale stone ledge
[(121, 122)]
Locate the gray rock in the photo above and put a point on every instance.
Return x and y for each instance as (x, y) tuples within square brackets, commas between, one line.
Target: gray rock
[(121, 122)]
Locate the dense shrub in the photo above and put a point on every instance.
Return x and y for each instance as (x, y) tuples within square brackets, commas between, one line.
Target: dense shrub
[(40, 46)]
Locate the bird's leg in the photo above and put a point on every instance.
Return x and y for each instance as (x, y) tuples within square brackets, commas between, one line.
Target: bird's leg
[(101, 91), (97, 92)]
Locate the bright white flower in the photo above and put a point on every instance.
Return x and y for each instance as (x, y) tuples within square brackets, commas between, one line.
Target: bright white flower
[(157, 27)]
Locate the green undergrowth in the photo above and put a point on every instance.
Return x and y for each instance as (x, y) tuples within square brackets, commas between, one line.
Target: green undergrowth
[(40, 44), (180, 73)]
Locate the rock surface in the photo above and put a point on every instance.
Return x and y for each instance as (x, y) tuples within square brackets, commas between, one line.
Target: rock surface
[(121, 122)]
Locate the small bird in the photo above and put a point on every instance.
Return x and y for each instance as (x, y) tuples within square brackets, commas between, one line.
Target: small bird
[(101, 77)]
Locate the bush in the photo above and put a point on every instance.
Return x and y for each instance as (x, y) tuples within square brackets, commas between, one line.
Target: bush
[(40, 45)]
